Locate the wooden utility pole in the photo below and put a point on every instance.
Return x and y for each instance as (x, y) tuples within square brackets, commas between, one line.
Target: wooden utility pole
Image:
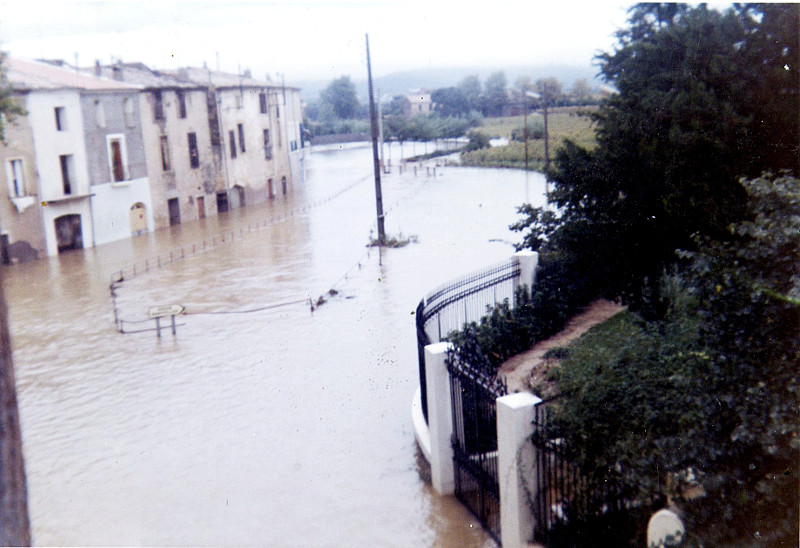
[(546, 152), (14, 522), (373, 115), (525, 130)]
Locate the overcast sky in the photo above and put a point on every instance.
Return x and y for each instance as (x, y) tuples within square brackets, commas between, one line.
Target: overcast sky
[(310, 40)]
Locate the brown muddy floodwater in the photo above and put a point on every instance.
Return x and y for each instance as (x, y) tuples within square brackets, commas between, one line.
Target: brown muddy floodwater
[(261, 423)]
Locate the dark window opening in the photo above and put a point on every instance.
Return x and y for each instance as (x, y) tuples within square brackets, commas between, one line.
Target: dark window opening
[(194, 155), (117, 166), (61, 119), (240, 127), (262, 101), (174, 208), (222, 202), (158, 105), (66, 172), (232, 142), (267, 145), (181, 103), (69, 234), (165, 163)]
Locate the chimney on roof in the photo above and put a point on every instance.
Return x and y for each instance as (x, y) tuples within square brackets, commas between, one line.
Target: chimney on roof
[(98, 70), (247, 73), (116, 71)]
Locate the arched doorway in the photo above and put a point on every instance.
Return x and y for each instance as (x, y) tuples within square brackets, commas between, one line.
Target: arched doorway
[(69, 233), (138, 219)]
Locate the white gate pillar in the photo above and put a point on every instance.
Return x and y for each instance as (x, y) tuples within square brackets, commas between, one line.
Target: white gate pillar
[(440, 420), (528, 261), (515, 457)]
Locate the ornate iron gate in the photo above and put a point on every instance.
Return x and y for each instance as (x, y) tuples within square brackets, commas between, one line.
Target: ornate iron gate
[(475, 441), (567, 505)]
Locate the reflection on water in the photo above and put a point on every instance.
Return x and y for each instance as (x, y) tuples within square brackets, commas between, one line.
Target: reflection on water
[(279, 426)]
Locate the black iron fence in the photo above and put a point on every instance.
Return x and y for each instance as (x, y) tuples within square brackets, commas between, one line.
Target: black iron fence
[(474, 409), (566, 503), (463, 300)]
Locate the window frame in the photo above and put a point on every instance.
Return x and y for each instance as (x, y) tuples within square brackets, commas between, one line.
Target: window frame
[(194, 152), (123, 150), (158, 106), (240, 129), (166, 160), (267, 144), (17, 187), (232, 143), (67, 173), (61, 118), (180, 97)]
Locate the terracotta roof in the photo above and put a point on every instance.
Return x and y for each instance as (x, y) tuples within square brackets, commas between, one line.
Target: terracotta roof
[(32, 75)]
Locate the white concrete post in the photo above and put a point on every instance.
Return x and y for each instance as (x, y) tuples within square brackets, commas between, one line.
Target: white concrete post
[(440, 420), (515, 457), (528, 261), (665, 529)]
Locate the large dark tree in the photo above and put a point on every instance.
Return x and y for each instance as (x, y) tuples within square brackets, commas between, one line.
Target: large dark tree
[(703, 99), (495, 94), (450, 101), (340, 99), (470, 87)]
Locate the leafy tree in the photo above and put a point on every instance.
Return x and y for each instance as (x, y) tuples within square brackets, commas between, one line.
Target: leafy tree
[(748, 292), (524, 83), (702, 406), (770, 83), (495, 94), (550, 90), (477, 141), (395, 106), (10, 106), (396, 128), (470, 87), (675, 139), (450, 101), (340, 99), (581, 92)]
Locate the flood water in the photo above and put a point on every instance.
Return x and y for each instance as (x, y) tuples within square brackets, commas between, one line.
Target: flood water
[(262, 422)]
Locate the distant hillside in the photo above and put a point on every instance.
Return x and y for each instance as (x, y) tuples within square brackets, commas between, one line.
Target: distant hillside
[(399, 83)]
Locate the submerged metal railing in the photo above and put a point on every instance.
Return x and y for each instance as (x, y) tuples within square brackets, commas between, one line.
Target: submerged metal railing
[(565, 496), (448, 307), (475, 458)]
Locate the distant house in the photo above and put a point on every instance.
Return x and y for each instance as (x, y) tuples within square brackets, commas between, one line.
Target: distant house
[(417, 103)]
